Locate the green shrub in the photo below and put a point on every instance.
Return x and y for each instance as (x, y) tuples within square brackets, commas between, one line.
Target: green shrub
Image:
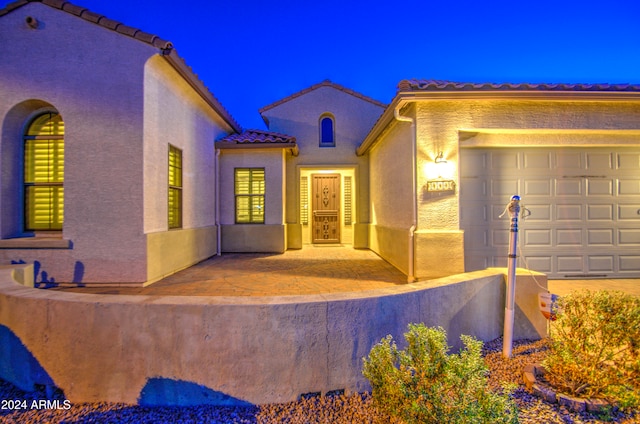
[(425, 384), (595, 347)]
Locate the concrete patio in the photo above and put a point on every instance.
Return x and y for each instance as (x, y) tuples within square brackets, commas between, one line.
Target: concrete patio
[(315, 269)]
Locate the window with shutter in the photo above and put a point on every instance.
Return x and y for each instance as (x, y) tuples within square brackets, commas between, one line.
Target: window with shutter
[(175, 187), (249, 194), (44, 173)]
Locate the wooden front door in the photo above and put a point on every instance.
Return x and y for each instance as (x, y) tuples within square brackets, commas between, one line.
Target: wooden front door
[(326, 208)]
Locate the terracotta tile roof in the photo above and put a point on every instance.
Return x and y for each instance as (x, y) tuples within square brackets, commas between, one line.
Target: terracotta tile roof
[(165, 47), (325, 83), (439, 85), (258, 138), (95, 18), (416, 89)]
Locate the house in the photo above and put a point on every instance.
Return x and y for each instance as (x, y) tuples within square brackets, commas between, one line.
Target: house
[(457, 152), (118, 166), (107, 149), (315, 192)]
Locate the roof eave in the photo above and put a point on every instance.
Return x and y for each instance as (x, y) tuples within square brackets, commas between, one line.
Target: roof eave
[(325, 83), (224, 145), (561, 95), (404, 97)]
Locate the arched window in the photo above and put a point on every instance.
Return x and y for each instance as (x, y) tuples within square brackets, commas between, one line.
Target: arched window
[(327, 131), (44, 173)]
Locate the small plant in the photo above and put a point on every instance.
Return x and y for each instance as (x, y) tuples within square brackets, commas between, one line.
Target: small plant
[(595, 347), (425, 384)]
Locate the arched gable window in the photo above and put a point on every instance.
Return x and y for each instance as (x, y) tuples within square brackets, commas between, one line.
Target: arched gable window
[(327, 131), (44, 173)]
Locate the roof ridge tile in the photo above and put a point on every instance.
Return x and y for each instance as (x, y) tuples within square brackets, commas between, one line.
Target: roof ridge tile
[(324, 83), (441, 85), (58, 4), (73, 9)]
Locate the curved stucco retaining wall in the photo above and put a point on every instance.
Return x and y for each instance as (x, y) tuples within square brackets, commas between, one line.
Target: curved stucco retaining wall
[(190, 349)]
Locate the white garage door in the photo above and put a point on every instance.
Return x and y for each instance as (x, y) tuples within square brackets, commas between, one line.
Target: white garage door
[(584, 204)]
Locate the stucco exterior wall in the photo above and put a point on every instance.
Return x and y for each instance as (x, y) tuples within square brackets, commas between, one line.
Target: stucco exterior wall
[(174, 114), (392, 195), (439, 124), (235, 350), (447, 125), (96, 83), (172, 251), (270, 236), (353, 118)]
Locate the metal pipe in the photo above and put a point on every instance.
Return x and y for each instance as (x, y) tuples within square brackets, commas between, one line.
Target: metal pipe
[(217, 200), (514, 211), (411, 271)]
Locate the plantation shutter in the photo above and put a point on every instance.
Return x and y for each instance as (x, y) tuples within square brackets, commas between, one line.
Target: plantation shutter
[(44, 173)]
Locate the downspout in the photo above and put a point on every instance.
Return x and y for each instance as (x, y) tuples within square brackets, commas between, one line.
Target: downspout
[(411, 273), (217, 198)]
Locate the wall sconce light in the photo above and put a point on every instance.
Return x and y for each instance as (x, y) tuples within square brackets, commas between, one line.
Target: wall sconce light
[(439, 175)]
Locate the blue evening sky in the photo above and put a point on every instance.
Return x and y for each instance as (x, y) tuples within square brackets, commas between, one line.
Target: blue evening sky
[(251, 53)]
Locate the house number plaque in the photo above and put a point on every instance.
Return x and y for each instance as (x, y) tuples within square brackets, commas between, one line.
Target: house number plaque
[(441, 185)]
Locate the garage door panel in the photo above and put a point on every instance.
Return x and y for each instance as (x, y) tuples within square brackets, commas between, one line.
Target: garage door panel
[(629, 236), (631, 212), (569, 237), (476, 262), (569, 160), (538, 212), (599, 161), (569, 187), (629, 161), (500, 238), (600, 237), (569, 212), (584, 206), (477, 239), (537, 238), (629, 263), (537, 188), (599, 187), (475, 163), (475, 213), (496, 211), (505, 188), (600, 264), (537, 160), (503, 160), (629, 187), (600, 212), (540, 263), (570, 264), (473, 189)]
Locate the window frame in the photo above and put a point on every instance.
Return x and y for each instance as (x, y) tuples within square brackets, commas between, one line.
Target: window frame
[(322, 131), (175, 186), (254, 199), (55, 169)]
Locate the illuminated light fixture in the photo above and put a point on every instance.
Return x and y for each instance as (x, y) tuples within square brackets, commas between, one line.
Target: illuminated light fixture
[(440, 158)]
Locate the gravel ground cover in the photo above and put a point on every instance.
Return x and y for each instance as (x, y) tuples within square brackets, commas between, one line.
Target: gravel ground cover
[(336, 409)]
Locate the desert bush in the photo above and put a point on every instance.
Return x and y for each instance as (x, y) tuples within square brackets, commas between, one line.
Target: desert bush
[(425, 384), (595, 347)]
